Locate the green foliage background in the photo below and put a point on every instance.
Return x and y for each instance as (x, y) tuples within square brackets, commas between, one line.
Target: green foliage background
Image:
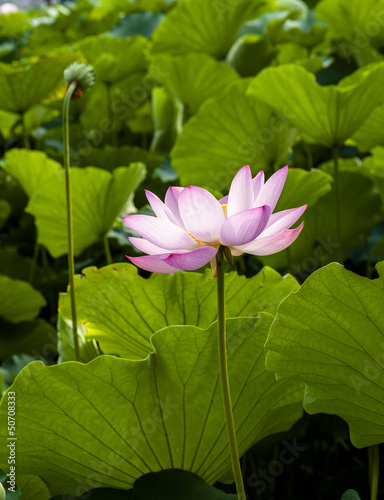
[(187, 92)]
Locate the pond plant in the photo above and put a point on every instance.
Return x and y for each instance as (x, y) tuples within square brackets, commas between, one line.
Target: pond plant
[(227, 342)]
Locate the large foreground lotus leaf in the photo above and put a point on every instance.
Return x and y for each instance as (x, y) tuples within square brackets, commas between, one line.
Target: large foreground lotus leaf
[(114, 58), (19, 301), (117, 419), (30, 168), (122, 310), (326, 115), (98, 196), (23, 87), (169, 484), (65, 345), (192, 78), (32, 488), (318, 243), (201, 26), (228, 133), (330, 335)]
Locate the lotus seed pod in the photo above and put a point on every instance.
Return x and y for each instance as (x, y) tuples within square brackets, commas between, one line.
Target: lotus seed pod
[(2, 492), (80, 73)]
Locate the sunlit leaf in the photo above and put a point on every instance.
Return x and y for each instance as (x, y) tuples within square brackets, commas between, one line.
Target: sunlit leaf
[(113, 58), (148, 305), (354, 23), (25, 86), (32, 488), (333, 325), (98, 196), (228, 133), (127, 418), (324, 115), (192, 78), (370, 134), (201, 26), (65, 345), (30, 168)]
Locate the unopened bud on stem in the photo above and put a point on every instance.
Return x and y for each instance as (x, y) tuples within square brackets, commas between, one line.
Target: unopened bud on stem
[(82, 75)]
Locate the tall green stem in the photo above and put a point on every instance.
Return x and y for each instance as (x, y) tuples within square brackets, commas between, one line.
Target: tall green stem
[(224, 377), (337, 196), (71, 259), (27, 144), (107, 250), (374, 469)]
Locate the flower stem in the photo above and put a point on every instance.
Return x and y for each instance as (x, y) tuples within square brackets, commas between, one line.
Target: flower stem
[(27, 144), (107, 250), (337, 196), (224, 376), (71, 259), (374, 469)]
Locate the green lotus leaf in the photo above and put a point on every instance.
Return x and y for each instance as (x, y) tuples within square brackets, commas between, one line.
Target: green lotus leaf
[(200, 26), (307, 31), (111, 157), (36, 338), (98, 197), (139, 23), (3, 484), (32, 488), (318, 243), (371, 167), (353, 23), (351, 495), (25, 86), (117, 419), (228, 133), (250, 54), (14, 24), (151, 304), (370, 134), (19, 301), (30, 168), (164, 115), (330, 335), (303, 187), (7, 123), (192, 78), (324, 115), (171, 484), (65, 345), (114, 58)]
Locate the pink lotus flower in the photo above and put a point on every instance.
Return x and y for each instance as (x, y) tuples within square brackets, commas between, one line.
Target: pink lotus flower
[(192, 224)]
